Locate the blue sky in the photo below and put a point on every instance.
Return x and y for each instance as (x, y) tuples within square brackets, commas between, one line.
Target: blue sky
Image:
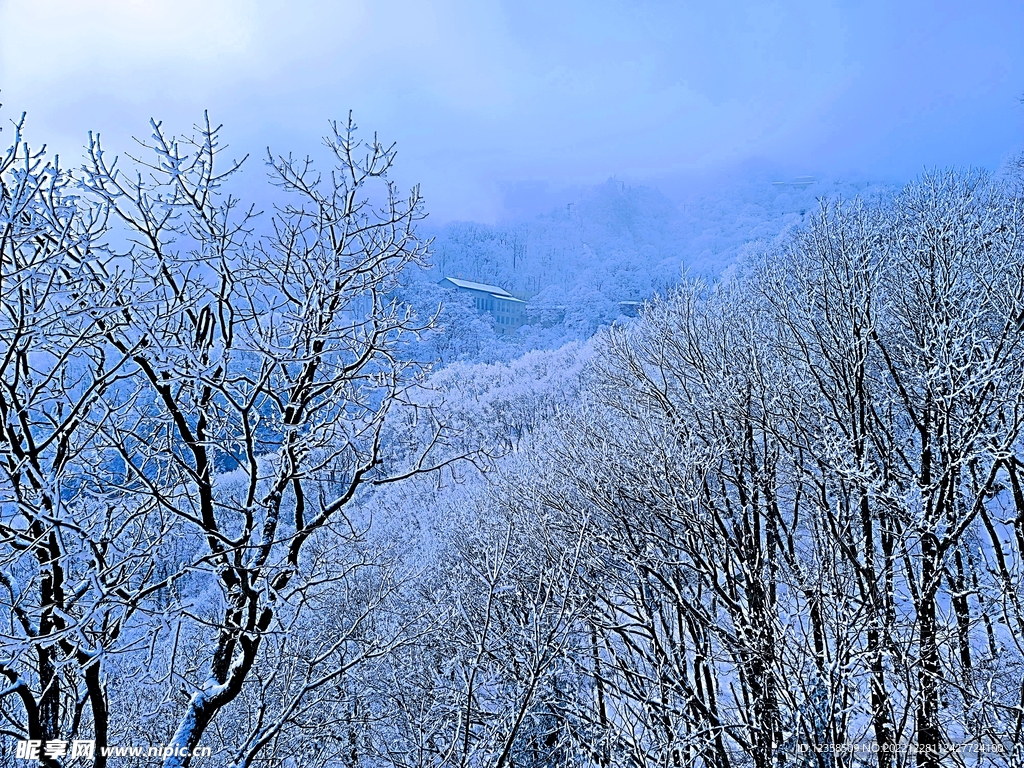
[(492, 103)]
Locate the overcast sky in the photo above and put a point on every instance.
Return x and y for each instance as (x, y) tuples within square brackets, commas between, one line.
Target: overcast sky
[(493, 101)]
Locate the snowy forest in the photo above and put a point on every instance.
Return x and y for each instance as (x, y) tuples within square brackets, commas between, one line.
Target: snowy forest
[(267, 489)]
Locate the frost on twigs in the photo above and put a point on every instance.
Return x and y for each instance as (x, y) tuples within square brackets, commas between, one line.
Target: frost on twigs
[(192, 394)]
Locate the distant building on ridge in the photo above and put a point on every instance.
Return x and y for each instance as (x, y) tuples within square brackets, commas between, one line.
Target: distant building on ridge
[(508, 312)]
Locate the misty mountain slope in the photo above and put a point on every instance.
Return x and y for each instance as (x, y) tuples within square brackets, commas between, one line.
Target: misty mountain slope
[(616, 243)]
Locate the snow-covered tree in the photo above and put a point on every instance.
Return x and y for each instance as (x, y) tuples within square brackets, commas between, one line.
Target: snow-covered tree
[(803, 498), (190, 408)]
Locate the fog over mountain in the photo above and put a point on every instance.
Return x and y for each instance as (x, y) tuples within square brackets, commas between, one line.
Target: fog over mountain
[(507, 107)]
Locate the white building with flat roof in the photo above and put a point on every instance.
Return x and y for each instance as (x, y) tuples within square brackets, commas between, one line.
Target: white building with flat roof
[(508, 312)]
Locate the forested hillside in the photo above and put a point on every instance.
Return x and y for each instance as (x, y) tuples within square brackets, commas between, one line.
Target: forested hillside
[(616, 243)]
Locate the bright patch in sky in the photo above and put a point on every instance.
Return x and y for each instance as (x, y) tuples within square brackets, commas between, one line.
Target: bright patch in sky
[(491, 101)]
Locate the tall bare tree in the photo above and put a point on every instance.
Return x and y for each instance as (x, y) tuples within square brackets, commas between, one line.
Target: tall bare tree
[(191, 406), (803, 492)]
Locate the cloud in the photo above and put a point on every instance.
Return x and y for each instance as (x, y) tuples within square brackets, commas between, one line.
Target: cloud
[(118, 45), (483, 95)]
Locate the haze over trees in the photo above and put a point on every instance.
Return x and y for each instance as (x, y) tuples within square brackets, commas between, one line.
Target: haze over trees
[(615, 243), (258, 494)]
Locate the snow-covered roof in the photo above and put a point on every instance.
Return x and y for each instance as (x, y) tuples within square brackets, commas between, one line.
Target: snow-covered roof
[(470, 285), (493, 290)]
